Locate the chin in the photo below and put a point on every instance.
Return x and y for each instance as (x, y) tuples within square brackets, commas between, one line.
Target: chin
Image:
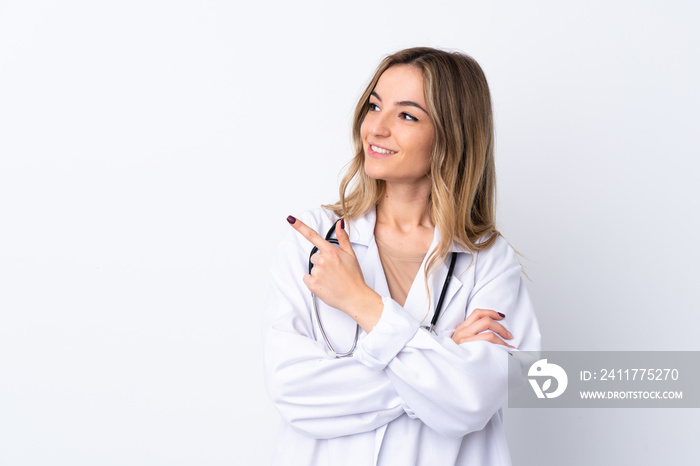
[(374, 172)]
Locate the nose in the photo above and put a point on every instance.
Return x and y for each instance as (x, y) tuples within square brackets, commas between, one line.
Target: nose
[(379, 126)]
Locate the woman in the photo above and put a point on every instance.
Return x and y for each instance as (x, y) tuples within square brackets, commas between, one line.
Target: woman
[(415, 226)]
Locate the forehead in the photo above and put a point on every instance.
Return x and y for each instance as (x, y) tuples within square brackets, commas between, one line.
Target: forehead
[(401, 82)]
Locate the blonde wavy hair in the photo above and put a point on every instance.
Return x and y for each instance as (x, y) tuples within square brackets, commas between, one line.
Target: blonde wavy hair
[(462, 170)]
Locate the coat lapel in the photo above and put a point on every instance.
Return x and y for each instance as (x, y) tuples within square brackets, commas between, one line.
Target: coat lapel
[(373, 271), (418, 303)]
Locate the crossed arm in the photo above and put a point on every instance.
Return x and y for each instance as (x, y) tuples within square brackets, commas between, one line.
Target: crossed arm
[(454, 385)]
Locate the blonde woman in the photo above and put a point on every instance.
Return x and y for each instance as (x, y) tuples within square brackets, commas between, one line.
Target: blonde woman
[(391, 347)]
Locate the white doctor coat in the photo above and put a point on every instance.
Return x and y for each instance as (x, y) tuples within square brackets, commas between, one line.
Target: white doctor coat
[(406, 396)]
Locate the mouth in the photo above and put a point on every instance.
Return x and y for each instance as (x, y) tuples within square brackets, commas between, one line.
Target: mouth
[(379, 152)]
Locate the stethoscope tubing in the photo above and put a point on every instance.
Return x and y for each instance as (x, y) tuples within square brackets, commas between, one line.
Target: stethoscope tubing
[(349, 353), (336, 354)]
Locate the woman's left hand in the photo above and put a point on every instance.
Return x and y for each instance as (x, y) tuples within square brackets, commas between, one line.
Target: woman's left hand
[(482, 324), (336, 277)]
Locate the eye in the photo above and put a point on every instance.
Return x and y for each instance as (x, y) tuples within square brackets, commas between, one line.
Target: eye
[(408, 117), (372, 107)]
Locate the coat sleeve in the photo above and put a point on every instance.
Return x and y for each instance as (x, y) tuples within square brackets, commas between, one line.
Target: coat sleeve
[(320, 396), (455, 389)]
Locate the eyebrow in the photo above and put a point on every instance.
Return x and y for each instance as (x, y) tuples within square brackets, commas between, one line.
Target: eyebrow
[(403, 103)]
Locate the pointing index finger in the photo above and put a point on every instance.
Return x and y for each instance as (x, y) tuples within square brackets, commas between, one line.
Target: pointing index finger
[(309, 233)]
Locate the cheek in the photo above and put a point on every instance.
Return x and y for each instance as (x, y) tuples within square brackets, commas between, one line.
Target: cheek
[(426, 146)]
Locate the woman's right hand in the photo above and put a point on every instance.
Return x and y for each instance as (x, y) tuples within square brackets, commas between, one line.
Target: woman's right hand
[(477, 326)]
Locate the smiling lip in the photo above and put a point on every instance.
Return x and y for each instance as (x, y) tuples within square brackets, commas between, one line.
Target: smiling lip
[(378, 155)]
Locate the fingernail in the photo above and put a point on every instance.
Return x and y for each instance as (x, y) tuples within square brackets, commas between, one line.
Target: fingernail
[(500, 313), (291, 220), (510, 335), (342, 224)]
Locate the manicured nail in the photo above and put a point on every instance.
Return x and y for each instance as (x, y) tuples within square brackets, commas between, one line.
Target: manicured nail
[(510, 335), (342, 224), (291, 220), (500, 313)]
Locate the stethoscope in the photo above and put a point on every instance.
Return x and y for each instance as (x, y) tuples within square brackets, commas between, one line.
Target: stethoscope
[(348, 353)]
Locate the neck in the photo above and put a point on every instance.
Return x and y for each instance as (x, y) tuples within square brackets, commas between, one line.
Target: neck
[(405, 206)]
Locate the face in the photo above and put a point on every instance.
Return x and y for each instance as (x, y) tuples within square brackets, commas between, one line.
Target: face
[(397, 133)]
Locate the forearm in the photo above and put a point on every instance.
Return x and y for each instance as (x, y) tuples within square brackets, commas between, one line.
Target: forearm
[(454, 389), (325, 397)]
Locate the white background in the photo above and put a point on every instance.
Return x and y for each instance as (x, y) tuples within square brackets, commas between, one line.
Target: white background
[(151, 151)]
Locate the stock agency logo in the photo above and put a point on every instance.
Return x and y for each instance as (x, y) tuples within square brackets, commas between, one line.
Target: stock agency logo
[(547, 371)]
